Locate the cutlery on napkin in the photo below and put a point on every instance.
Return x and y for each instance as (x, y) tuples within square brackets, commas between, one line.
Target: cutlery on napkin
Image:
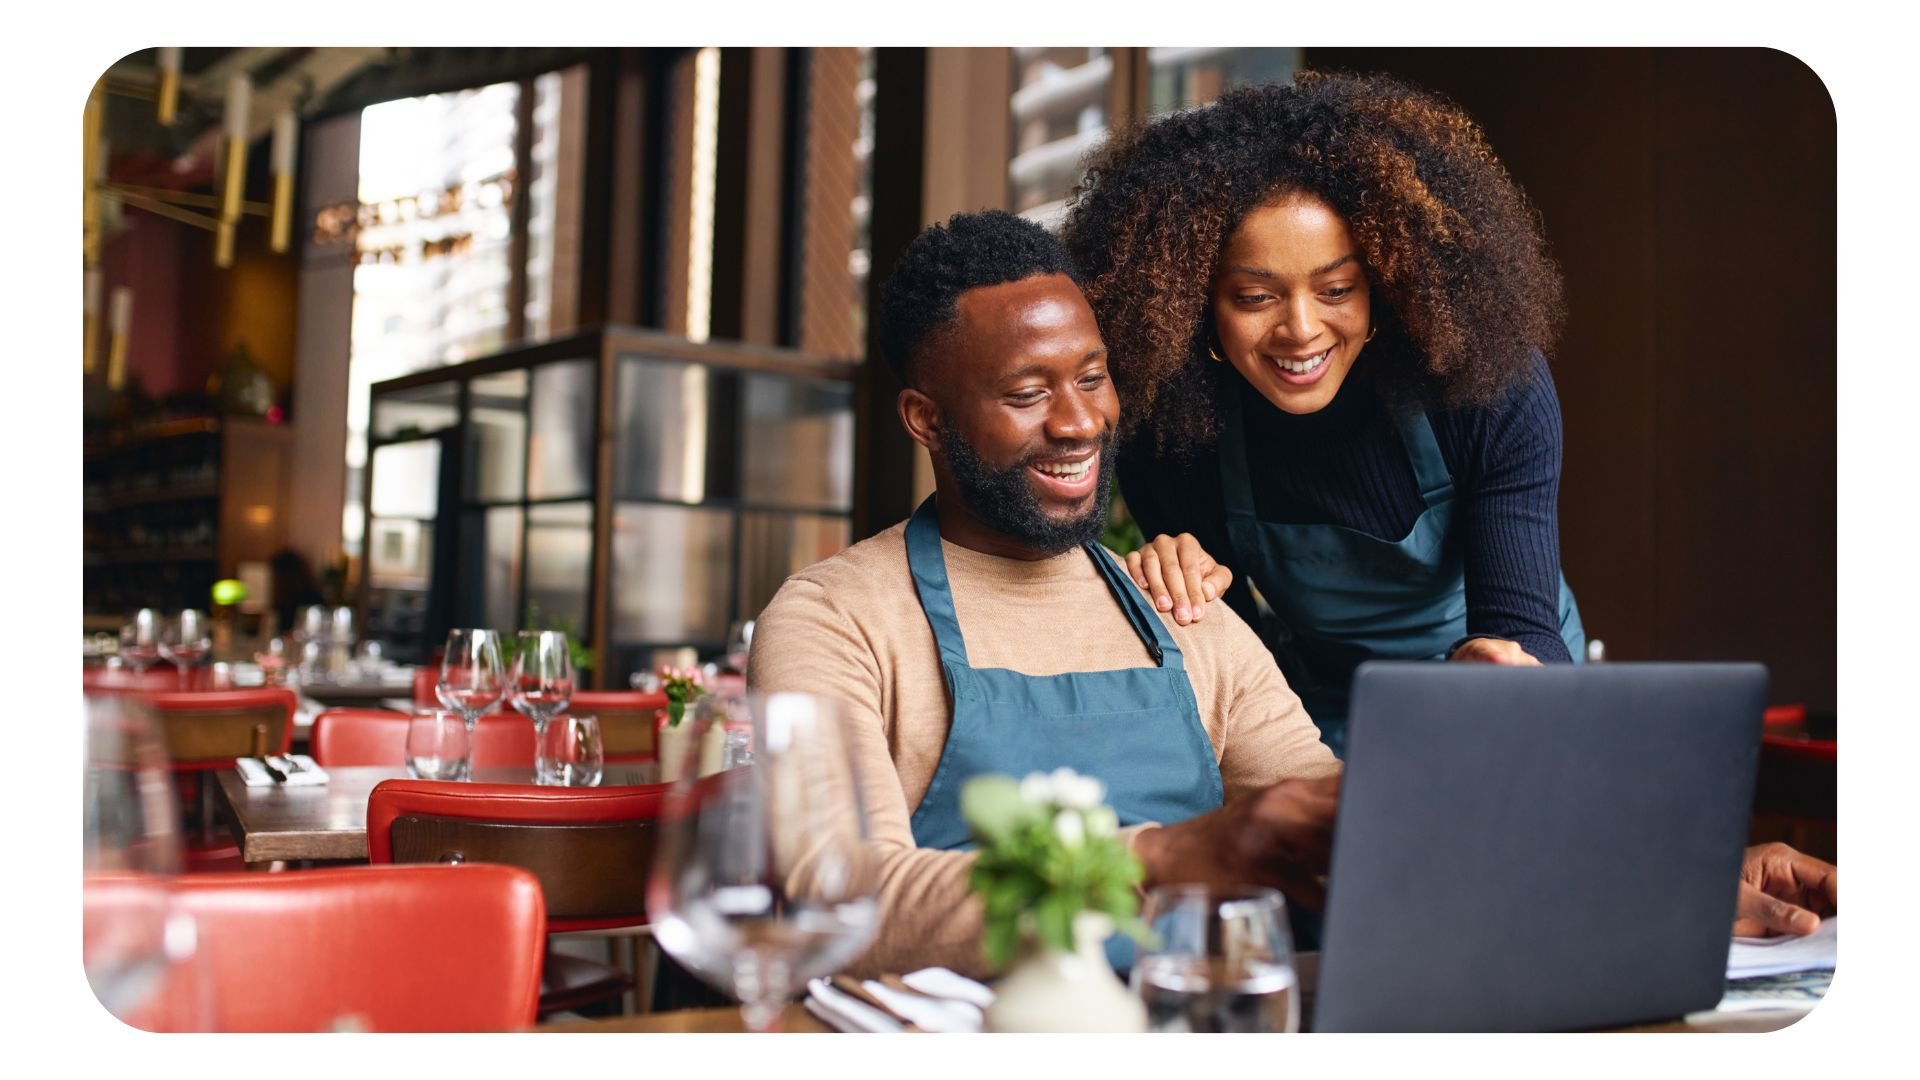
[(290, 770), (932, 999)]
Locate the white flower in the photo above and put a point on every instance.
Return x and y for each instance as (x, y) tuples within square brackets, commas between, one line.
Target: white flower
[(1036, 789), (1069, 828), (1079, 792)]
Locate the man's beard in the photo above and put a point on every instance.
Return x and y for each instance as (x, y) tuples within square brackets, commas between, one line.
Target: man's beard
[(1004, 501)]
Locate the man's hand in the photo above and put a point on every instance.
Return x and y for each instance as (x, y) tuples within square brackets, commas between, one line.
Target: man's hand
[(1784, 892), (1486, 650), (1280, 836), (1178, 576)]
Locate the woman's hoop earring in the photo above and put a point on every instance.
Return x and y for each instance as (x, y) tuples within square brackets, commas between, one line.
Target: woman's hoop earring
[(1370, 334), (1215, 353)]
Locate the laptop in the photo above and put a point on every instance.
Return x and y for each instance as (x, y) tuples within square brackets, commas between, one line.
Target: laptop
[(1537, 849)]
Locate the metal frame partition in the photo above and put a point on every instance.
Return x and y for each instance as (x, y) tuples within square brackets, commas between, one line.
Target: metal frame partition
[(646, 491)]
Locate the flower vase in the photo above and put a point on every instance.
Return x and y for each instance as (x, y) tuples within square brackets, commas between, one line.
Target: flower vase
[(1049, 990), (671, 747)]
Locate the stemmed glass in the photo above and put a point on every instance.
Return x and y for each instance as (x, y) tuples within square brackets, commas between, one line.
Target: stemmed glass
[(186, 641), (542, 685), (471, 677), (140, 641), (763, 877), (138, 944)]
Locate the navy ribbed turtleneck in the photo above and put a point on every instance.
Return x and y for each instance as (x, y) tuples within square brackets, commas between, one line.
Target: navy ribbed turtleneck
[(1345, 465)]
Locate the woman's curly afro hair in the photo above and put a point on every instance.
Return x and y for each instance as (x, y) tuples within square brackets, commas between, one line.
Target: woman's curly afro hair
[(1463, 290)]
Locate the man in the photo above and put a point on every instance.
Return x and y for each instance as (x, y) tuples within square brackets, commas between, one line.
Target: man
[(991, 634)]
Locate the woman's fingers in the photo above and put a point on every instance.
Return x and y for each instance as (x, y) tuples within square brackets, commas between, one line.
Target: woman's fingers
[(1153, 582), (1175, 577), (1195, 564), (1135, 571)]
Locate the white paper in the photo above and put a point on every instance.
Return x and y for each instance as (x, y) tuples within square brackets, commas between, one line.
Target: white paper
[(942, 983), (1750, 958)]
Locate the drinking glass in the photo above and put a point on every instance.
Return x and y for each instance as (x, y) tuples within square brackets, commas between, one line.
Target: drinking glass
[(569, 753), (140, 640), (138, 944), (438, 746), (273, 662), (1223, 961), (472, 680), (763, 877), (185, 641), (542, 684)]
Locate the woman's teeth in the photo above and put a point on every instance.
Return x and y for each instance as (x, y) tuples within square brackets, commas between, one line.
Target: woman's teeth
[(1302, 367), (1066, 470)]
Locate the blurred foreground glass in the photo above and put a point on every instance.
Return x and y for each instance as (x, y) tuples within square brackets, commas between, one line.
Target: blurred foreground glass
[(140, 640), (185, 641), (438, 746), (1224, 961), (472, 679), (763, 877), (137, 941), (542, 684), (569, 752)]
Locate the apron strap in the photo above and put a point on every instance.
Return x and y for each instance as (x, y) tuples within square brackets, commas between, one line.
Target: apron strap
[(1153, 633), (1423, 453), (929, 568)]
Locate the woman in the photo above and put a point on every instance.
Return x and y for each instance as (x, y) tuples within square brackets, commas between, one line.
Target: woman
[(1325, 303)]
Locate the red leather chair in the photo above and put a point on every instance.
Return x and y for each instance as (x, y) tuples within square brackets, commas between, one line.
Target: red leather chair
[(206, 730), (379, 737), (629, 721), (391, 948), (591, 848)]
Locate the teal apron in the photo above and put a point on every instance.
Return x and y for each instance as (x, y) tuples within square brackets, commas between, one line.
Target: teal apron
[(1345, 596), (1136, 729)]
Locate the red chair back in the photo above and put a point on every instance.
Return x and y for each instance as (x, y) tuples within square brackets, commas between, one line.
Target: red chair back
[(591, 848), (629, 721), (207, 729), (391, 948), (379, 737)]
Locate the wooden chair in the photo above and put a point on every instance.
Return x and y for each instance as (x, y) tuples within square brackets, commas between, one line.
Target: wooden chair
[(390, 948), (349, 737), (205, 730), (629, 721), (591, 848)]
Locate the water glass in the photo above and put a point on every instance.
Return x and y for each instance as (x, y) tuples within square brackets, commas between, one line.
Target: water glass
[(569, 753), (472, 678), (763, 877), (1223, 961), (438, 746)]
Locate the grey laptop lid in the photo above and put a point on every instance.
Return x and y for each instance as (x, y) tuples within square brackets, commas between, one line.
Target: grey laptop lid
[(1532, 849)]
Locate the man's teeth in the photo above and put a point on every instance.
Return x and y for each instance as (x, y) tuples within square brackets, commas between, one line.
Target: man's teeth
[(1301, 367), (1066, 471)]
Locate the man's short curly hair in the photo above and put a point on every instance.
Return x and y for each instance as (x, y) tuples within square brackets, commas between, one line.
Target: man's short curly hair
[(1462, 288), (971, 250)]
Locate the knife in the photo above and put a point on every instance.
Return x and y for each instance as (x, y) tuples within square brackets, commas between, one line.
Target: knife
[(853, 989), (278, 776)]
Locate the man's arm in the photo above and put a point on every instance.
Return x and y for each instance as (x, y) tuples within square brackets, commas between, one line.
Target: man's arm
[(803, 642)]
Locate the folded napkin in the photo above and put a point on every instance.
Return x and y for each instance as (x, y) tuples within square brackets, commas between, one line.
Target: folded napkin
[(303, 773), (945, 1002)]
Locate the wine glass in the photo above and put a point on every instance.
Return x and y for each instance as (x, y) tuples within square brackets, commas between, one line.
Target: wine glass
[(569, 752), (1223, 961), (185, 641), (542, 685), (140, 640), (471, 677), (138, 943), (763, 877)]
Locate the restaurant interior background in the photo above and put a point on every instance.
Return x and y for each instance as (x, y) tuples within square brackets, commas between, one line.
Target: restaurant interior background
[(578, 337)]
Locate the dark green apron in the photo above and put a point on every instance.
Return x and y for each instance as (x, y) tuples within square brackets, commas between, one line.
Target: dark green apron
[(1345, 596)]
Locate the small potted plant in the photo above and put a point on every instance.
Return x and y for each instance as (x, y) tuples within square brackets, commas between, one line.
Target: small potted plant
[(683, 687), (1056, 880)]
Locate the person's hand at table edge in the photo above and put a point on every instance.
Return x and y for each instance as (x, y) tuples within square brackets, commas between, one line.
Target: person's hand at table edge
[(1783, 891), (1178, 576), (1280, 836)]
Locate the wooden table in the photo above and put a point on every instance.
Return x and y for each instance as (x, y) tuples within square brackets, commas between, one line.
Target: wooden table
[(328, 822)]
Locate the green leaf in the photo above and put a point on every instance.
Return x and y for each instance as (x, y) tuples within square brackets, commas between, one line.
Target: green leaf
[(992, 806), (1054, 916)]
